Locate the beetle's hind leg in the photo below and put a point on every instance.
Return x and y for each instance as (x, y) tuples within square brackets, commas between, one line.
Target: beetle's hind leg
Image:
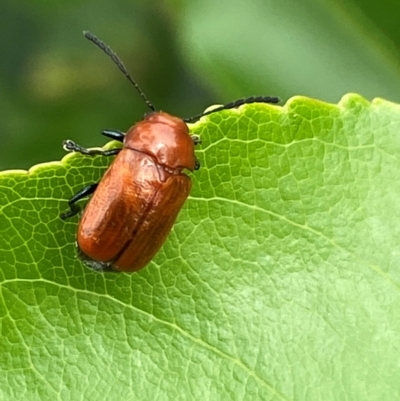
[(74, 208), (95, 265), (196, 139)]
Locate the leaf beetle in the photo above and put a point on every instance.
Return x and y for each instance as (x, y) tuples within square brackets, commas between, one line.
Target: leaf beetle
[(134, 206)]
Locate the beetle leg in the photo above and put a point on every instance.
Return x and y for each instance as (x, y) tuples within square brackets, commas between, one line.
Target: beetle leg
[(196, 139), (196, 163), (75, 209), (114, 134), (95, 265), (71, 146)]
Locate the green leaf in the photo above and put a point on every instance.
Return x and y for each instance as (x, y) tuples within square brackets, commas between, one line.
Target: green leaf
[(280, 280)]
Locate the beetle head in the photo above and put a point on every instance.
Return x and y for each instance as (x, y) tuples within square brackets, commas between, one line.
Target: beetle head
[(164, 137)]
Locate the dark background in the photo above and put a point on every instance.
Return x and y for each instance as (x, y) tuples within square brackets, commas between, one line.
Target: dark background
[(186, 55)]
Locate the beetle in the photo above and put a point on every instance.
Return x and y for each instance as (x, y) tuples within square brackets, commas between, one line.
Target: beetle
[(134, 206)]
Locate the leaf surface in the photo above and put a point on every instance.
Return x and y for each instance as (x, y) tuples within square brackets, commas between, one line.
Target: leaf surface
[(279, 281)]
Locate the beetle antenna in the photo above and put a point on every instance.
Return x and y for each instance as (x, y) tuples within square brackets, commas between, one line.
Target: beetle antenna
[(106, 49), (236, 103)]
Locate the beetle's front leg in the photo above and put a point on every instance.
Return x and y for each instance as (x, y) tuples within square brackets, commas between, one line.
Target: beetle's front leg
[(74, 208), (114, 134), (71, 146)]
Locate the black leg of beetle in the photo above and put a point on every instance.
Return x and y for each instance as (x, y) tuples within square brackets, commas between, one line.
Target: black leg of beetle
[(75, 209), (196, 139), (71, 146), (114, 134), (196, 163)]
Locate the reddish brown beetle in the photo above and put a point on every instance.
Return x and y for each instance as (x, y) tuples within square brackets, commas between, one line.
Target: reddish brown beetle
[(134, 206)]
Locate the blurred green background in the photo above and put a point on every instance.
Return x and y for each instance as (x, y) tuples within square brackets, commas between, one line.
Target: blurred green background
[(186, 55)]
